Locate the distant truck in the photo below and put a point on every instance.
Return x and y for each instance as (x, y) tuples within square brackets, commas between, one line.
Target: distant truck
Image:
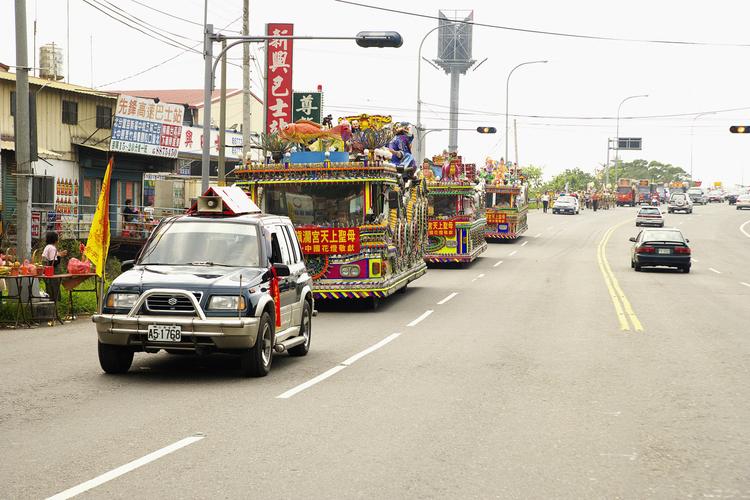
[(626, 192), (644, 191), (678, 187)]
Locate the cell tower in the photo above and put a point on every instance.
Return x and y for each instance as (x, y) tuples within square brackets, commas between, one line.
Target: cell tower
[(454, 56)]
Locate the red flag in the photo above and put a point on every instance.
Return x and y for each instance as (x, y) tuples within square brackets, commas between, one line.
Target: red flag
[(276, 294)]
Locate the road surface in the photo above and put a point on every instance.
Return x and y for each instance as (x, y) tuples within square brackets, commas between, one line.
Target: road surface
[(514, 377)]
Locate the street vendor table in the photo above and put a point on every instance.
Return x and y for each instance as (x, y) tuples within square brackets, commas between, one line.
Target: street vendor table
[(70, 281), (24, 294)]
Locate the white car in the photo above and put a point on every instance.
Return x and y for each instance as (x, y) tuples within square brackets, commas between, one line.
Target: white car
[(649, 216), (743, 202), (566, 205)]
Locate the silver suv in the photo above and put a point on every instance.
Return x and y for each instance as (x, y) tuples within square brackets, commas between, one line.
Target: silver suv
[(211, 281), (680, 202)]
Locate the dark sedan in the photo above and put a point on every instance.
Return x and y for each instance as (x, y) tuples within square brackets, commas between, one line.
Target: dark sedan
[(660, 247)]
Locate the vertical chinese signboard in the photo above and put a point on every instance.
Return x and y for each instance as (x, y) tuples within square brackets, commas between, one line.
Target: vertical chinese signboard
[(307, 106), (145, 127), (278, 77)]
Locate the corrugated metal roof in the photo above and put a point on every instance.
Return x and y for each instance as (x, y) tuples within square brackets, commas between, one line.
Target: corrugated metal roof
[(65, 87)]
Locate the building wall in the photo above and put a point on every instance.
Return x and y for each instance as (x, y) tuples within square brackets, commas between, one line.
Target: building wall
[(52, 134)]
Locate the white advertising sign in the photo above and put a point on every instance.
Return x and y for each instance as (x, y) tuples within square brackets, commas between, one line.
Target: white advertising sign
[(142, 126)]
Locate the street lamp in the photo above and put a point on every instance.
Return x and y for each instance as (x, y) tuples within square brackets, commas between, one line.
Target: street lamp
[(363, 38), (692, 126), (420, 136), (617, 135), (507, 85)]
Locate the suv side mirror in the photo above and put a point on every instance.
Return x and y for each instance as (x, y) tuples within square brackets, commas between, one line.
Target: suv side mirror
[(687, 240), (281, 269), (127, 265), (632, 238)]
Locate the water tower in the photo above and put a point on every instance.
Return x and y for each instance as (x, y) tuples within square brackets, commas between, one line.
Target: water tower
[(454, 56), (51, 62)]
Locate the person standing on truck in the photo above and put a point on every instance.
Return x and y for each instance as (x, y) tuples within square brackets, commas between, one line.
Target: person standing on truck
[(545, 202)]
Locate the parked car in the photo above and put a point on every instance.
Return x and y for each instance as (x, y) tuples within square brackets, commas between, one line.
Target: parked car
[(743, 201), (566, 205), (222, 278), (649, 216), (680, 202), (660, 247), (697, 196)]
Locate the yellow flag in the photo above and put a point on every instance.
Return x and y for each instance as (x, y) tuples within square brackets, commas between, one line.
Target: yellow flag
[(97, 246)]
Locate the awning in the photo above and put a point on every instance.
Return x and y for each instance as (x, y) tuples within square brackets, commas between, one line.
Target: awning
[(43, 153)]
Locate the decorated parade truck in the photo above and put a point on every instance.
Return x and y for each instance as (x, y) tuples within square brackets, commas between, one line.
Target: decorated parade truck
[(362, 228), (626, 192), (506, 212), (456, 222)]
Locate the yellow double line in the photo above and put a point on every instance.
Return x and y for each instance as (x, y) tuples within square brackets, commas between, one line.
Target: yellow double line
[(623, 309)]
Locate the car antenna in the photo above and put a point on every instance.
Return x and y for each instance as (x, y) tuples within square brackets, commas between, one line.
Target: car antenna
[(239, 300)]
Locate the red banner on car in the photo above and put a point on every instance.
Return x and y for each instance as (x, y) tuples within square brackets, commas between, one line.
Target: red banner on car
[(497, 218), (445, 228), (278, 77), (328, 241)]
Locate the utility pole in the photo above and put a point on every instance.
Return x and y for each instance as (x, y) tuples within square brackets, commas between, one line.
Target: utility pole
[(208, 56), (515, 141), (223, 116), (23, 137), (245, 82)]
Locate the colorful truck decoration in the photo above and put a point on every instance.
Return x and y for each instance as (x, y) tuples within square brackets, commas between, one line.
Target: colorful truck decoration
[(456, 224), (363, 231), (506, 212)]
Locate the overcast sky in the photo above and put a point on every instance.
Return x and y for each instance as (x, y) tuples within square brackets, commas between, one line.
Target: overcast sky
[(584, 78)]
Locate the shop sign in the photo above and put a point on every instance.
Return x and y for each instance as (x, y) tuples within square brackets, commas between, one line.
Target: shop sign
[(191, 142), (142, 126), (446, 228), (36, 224), (328, 241), (307, 106), (278, 77)]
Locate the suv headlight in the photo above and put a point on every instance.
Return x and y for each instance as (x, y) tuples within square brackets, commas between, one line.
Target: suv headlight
[(122, 300), (227, 303)]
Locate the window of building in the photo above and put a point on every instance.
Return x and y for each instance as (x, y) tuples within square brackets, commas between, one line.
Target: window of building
[(70, 112), (103, 117), (43, 191), (12, 104)]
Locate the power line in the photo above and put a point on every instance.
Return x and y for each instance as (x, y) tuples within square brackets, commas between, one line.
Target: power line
[(175, 44), (175, 16), (141, 22), (550, 33), (172, 58)]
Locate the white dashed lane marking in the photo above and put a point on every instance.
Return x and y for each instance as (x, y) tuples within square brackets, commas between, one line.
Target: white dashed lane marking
[(420, 318), (524, 243), (714, 270), (449, 297), (511, 254), (498, 263)]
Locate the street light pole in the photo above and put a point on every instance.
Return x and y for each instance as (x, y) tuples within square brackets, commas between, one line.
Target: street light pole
[(507, 98), (420, 136), (692, 126), (617, 136)]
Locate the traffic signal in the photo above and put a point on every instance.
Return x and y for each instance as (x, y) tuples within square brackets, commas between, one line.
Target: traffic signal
[(379, 39), (740, 129), (486, 130)]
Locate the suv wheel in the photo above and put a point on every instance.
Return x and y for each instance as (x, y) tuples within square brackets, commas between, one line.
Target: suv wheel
[(115, 359), (256, 361), (686, 268), (305, 328)]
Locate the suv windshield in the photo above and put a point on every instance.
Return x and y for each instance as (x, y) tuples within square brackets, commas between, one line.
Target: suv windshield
[(205, 242), (662, 235)]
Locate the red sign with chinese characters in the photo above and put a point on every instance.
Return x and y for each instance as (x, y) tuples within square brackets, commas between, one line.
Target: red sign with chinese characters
[(445, 228), (497, 218), (329, 240), (278, 77)]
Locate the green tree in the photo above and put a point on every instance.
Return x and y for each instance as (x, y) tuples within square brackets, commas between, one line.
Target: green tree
[(534, 178), (654, 171), (575, 179)]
